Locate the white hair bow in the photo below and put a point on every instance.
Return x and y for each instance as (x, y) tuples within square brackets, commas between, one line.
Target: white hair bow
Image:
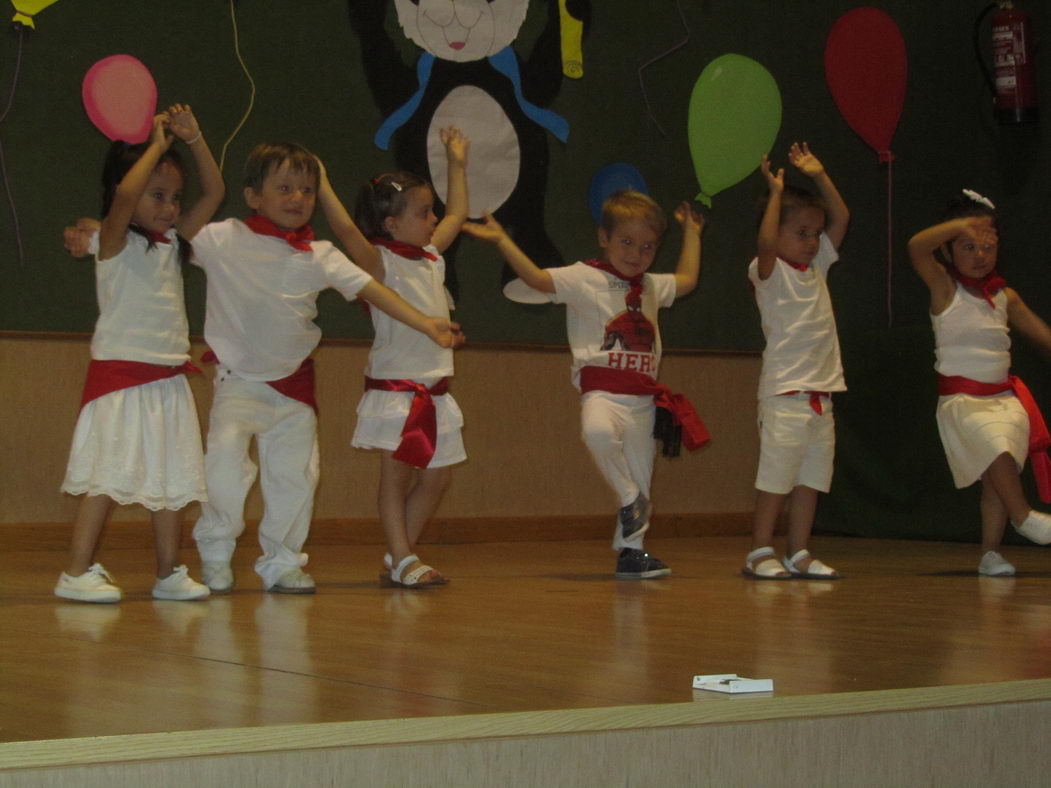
[(979, 198)]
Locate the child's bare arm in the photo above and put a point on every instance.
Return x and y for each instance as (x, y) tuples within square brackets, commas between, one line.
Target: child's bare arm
[(456, 201), (441, 331), (358, 248), (922, 247), (766, 244), (528, 271), (184, 125), (838, 213), (688, 269), (1028, 323), (114, 231)]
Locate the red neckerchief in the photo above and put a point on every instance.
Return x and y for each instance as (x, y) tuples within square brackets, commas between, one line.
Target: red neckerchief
[(797, 266), (633, 297), (297, 239), (989, 285), (156, 237), (405, 250)]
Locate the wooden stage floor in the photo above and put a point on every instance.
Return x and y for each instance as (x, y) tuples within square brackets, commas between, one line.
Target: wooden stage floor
[(522, 626)]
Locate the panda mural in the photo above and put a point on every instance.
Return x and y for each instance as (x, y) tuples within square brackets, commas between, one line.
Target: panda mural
[(469, 76)]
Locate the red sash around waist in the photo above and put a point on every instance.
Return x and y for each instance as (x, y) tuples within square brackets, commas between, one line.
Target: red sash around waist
[(419, 436), (105, 377), (626, 381), (298, 386), (1039, 438), (815, 398)]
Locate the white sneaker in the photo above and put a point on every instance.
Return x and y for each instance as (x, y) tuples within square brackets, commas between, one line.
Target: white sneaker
[(294, 581), (95, 585), (1036, 527), (219, 577), (179, 586), (995, 565)]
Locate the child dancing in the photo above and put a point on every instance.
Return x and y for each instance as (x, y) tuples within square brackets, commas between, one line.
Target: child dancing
[(987, 419)]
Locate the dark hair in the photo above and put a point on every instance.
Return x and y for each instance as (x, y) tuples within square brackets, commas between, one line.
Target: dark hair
[(963, 206), (120, 158), (383, 196), (627, 204), (267, 156), (792, 199)]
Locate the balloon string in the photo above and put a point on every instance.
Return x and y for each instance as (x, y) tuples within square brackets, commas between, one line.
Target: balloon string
[(890, 242), (651, 61), (251, 98), (3, 159)]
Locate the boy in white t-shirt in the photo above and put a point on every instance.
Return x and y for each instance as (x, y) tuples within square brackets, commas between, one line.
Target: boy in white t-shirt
[(611, 320), (264, 276), (799, 234)]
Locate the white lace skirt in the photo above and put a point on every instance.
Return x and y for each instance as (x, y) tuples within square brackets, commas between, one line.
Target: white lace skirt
[(381, 418), (140, 445), (977, 430)]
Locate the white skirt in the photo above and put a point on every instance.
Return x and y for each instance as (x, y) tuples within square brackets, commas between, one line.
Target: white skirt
[(140, 445), (381, 418), (977, 430)]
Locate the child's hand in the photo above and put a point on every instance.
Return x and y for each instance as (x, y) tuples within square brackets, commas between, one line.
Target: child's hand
[(805, 161), (445, 333), (774, 181), (160, 135), (182, 123), (456, 145), (980, 231), (691, 220), (489, 230), (77, 240)]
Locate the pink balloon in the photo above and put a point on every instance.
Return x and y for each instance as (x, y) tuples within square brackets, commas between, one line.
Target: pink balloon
[(120, 97), (866, 69)]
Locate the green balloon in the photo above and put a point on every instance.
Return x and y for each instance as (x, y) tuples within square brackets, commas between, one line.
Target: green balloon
[(735, 114)]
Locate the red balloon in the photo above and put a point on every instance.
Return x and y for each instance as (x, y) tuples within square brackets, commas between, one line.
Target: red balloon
[(866, 69), (120, 97)]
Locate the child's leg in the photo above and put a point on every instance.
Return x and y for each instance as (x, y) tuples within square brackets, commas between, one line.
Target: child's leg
[(167, 530), (801, 509), (401, 504), (994, 516), (288, 463), (1002, 476), (92, 513), (767, 510), (423, 499), (603, 423), (229, 471)]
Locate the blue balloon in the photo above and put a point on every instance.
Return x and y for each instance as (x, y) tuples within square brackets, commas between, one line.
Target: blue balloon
[(610, 179)]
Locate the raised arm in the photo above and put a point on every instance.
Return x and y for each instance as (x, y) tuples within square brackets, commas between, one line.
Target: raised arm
[(1028, 323), (113, 235), (528, 271), (184, 125), (357, 246), (922, 247), (769, 226), (440, 330), (456, 202), (688, 269), (838, 213)]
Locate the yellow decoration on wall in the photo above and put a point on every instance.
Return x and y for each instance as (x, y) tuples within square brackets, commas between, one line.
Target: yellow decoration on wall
[(572, 31), (25, 10)]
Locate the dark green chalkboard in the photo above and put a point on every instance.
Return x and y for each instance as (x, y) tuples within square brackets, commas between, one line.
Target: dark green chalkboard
[(306, 63)]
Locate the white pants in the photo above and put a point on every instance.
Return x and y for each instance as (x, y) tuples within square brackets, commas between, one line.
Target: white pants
[(618, 431), (286, 439)]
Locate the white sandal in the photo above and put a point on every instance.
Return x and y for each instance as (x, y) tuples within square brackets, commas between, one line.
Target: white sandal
[(403, 577), (815, 570), (766, 569)]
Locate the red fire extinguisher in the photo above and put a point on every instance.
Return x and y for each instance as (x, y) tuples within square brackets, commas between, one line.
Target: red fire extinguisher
[(1013, 79)]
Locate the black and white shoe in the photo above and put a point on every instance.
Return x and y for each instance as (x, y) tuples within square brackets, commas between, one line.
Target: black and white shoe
[(634, 518), (635, 564)]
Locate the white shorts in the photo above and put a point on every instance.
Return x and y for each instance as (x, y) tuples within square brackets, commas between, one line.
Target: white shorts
[(796, 445), (977, 430), (381, 418), (140, 445)]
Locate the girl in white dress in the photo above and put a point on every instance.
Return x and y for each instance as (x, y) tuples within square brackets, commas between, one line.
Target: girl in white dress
[(137, 438)]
